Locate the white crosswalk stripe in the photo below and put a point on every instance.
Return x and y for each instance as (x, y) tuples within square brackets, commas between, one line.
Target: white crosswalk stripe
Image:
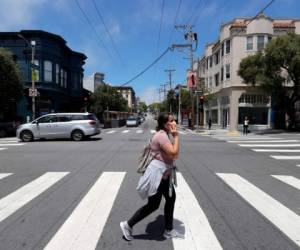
[(139, 131), (111, 132), (11, 144), (125, 131), (198, 232), (20, 197), (270, 145), (263, 141), (2, 149), (152, 131), (286, 157), (286, 220), (83, 228), (181, 132), (277, 150), (3, 175), (290, 180)]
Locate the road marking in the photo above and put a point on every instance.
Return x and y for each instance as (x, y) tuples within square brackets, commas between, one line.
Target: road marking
[(12, 202), (139, 131), (290, 180), (243, 138), (198, 232), (2, 176), (270, 145), (298, 166), (264, 141), (277, 150), (286, 220), (286, 157), (8, 141), (125, 131), (84, 226), (2, 149), (152, 131), (180, 132), (110, 132), (12, 144)]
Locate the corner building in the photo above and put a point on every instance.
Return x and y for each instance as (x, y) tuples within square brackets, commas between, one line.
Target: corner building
[(218, 67)]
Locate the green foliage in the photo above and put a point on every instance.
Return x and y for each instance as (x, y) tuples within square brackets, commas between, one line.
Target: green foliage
[(143, 107), (10, 81), (105, 97)]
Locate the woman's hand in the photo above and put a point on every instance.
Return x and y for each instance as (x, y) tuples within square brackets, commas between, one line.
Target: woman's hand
[(173, 129)]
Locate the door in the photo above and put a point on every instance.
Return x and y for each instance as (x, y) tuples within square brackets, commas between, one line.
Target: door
[(47, 126)]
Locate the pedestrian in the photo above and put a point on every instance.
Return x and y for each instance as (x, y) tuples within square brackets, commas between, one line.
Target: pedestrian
[(209, 123), (157, 181), (245, 126)]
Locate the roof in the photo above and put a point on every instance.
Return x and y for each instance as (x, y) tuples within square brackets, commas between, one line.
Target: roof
[(284, 25)]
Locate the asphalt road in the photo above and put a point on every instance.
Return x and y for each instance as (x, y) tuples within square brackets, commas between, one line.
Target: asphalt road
[(62, 194)]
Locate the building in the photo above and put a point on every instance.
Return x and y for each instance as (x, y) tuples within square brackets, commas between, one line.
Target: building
[(90, 83), (218, 67), (58, 71), (129, 95)]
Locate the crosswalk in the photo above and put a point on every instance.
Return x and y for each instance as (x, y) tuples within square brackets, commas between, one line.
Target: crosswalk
[(6, 143), (288, 149), (139, 131), (82, 229)]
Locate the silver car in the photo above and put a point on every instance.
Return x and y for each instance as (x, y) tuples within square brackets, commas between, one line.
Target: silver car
[(76, 126)]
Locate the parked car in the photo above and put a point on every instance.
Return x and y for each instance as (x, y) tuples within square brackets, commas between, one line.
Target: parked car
[(76, 126), (8, 128), (132, 121)]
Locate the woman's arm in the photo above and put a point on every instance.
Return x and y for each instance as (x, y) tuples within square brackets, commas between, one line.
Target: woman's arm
[(170, 149)]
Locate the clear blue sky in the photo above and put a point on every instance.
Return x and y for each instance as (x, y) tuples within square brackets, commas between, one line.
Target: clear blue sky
[(134, 26)]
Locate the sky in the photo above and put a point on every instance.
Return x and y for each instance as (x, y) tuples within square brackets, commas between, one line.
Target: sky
[(136, 32)]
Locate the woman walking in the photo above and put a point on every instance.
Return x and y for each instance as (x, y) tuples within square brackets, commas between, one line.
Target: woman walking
[(157, 180)]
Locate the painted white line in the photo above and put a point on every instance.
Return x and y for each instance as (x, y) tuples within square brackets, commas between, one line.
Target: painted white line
[(243, 138), (2, 149), (139, 131), (4, 175), (84, 226), (9, 141), (182, 133), (110, 132), (278, 150), (125, 131), (290, 180), (152, 131), (12, 202), (11, 144), (263, 141), (270, 145), (298, 166), (286, 220), (198, 232), (286, 157)]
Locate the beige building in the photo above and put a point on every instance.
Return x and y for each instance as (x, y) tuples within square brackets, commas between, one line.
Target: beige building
[(219, 65), (129, 95)]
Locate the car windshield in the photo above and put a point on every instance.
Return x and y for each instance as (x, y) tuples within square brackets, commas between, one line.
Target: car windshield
[(132, 119)]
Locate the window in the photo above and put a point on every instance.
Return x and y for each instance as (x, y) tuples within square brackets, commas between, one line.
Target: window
[(217, 79), (227, 71), (217, 58), (48, 71), (63, 118), (57, 74), (222, 50), (222, 74), (36, 70), (210, 82), (260, 42), (269, 38), (210, 61), (206, 63), (227, 46), (48, 119), (61, 77), (250, 43), (65, 78)]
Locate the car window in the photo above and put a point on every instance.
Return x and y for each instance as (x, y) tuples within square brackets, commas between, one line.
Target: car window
[(78, 117), (91, 117), (48, 119), (63, 118)]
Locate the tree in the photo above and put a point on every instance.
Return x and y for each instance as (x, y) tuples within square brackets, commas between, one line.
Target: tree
[(106, 97), (11, 89), (273, 70), (142, 106)]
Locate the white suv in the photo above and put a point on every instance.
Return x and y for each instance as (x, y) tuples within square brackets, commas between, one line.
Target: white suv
[(76, 126)]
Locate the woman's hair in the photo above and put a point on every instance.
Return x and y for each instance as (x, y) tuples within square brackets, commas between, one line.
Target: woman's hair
[(162, 120)]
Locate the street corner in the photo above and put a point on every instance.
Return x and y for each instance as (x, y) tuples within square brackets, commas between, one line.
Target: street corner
[(232, 133)]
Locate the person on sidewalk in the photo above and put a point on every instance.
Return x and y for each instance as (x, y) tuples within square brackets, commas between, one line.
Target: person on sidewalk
[(245, 126), (209, 123), (157, 180)]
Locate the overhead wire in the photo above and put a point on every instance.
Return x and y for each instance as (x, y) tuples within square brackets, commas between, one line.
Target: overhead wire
[(175, 20), (108, 33), (93, 28)]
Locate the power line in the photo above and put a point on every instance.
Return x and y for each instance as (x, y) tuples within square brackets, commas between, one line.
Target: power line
[(93, 28), (107, 31), (160, 25), (175, 20), (148, 67)]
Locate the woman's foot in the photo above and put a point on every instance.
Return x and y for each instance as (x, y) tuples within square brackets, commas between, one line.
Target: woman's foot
[(173, 234), (126, 230)]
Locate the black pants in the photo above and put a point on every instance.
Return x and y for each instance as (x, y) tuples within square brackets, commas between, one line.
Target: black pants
[(153, 204), (245, 129)]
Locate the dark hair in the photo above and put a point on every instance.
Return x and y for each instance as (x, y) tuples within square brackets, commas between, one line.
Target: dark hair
[(162, 120)]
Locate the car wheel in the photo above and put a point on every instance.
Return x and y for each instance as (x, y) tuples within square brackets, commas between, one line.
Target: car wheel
[(77, 135), (26, 136)]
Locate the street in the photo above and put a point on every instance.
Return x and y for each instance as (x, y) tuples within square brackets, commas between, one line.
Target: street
[(234, 192)]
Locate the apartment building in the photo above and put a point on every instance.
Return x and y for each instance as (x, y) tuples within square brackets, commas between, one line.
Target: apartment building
[(217, 68), (129, 95), (90, 83)]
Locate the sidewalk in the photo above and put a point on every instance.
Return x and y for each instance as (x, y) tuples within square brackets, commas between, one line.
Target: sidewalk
[(215, 131)]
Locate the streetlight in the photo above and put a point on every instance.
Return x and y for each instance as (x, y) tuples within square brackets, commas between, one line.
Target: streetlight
[(32, 91)]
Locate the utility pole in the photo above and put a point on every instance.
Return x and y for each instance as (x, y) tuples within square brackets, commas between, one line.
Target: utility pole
[(170, 71), (179, 105), (191, 37)]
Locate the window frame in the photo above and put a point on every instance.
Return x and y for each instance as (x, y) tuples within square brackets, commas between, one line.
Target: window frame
[(48, 71)]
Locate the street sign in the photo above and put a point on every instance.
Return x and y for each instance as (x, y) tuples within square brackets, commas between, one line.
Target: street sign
[(199, 92), (33, 92)]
